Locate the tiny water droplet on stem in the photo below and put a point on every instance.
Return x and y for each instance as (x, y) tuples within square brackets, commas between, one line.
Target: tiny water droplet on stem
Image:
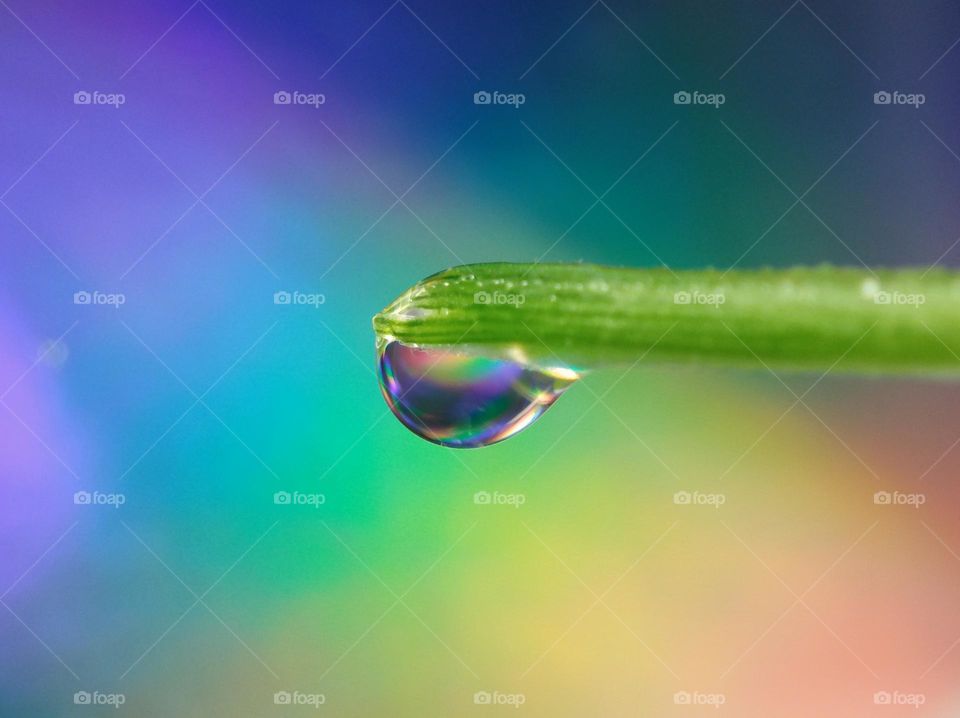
[(463, 400)]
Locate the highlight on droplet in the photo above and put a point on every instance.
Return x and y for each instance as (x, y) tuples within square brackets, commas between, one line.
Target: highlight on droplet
[(459, 399)]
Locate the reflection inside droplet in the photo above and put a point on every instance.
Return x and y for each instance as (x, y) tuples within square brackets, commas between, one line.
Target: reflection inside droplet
[(465, 400)]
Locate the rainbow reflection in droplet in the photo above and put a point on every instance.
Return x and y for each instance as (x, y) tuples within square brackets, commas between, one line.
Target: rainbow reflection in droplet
[(464, 400)]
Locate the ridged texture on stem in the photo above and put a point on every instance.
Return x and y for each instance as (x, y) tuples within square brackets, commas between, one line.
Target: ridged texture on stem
[(586, 315)]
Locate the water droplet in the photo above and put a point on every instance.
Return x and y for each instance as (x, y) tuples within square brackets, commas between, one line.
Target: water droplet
[(870, 288), (465, 400)]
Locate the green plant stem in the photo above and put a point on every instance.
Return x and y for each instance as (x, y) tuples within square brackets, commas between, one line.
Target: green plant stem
[(582, 315)]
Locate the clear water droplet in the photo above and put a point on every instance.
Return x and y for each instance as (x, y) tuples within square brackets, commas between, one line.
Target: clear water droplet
[(465, 400)]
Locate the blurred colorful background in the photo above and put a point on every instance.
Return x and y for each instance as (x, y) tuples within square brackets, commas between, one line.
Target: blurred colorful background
[(207, 509)]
